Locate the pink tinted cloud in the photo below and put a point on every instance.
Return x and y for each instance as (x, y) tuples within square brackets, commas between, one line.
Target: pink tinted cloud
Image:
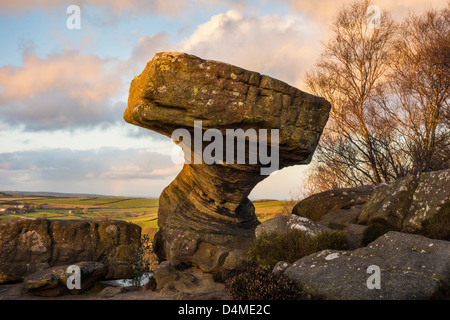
[(282, 46), (324, 10), (60, 90), (116, 6), (83, 77), (119, 7)]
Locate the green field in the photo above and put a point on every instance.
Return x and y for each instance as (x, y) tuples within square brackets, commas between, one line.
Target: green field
[(141, 211), (114, 202)]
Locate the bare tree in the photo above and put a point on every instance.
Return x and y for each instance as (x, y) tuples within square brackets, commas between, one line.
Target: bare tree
[(389, 90), (420, 85), (349, 74)]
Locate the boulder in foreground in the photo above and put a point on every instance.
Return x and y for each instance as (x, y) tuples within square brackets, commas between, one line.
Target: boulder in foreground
[(52, 282), (411, 267)]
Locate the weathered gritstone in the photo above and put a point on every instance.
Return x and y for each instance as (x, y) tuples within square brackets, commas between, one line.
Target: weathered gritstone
[(208, 203), (430, 198), (318, 205), (411, 267), (31, 245), (409, 202)]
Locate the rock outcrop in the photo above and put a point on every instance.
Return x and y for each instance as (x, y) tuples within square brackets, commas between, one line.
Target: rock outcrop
[(52, 282), (282, 224), (205, 212), (31, 245), (411, 204), (410, 267), (408, 203), (183, 283), (321, 204)]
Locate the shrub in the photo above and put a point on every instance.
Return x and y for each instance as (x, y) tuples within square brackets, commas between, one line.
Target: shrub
[(336, 240), (141, 264), (373, 232), (269, 248), (438, 227), (251, 282)]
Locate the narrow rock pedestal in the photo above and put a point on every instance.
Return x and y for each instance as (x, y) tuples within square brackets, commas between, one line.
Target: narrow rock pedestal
[(205, 217)]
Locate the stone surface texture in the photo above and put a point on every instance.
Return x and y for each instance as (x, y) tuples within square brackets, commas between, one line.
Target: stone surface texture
[(31, 245), (208, 203), (320, 204), (52, 282), (409, 202), (411, 267)]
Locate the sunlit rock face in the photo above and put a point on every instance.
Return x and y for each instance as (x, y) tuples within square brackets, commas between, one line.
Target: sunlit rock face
[(205, 217), (29, 245)]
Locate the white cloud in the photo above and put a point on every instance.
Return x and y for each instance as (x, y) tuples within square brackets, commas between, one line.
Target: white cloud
[(123, 8), (116, 6), (63, 90), (282, 46), (144, 50), (138, 171), (94, 171)]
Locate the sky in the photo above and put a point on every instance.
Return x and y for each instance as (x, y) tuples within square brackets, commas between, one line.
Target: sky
[(63, 90)]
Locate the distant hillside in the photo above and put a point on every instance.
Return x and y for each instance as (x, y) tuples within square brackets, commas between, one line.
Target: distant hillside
[(17, 194), (263, 200)]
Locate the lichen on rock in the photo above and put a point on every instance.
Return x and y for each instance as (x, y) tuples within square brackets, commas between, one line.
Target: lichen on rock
[(208, 202)]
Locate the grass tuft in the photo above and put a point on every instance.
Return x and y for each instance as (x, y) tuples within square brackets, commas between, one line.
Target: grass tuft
[(269, 248)]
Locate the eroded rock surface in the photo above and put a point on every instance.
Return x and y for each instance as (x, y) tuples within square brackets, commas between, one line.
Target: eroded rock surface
[(52, 282), (208, 202), (282, 224), (31, 245), (409, 202), (318, 205), (410, 267)]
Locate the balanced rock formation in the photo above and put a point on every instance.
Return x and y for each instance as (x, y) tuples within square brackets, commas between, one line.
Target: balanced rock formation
[(31, 245), (205, 212)]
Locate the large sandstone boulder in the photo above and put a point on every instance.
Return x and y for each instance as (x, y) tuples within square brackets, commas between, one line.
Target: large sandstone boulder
[(172, 281), (52, 282), (207, 203), (409, 202), (318, 205), (411, 267), (282, 224), (31, 245), (25, 247), (341, 218), (338, 209), (389, 203), (430, 199)]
